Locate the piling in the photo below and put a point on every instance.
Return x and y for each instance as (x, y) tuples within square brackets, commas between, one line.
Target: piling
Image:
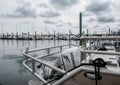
[(80, 22), (87, 33), (7, 36), (80, 26), (3, 35), (54, 35), (22, 35), (109, 32), (17, 35), (69, 38), (35, 35), (12, 36), (28, 35)]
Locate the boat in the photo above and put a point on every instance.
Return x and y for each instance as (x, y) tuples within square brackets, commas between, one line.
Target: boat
[(95, 62)]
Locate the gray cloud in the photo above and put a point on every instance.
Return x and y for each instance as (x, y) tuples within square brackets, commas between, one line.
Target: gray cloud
[(84, 26), (63, 4), (43, 5), (59, 25), (98, 7), (63, 24), (91, 20), (118, 25), (96, 26), (117, 20), (76, 27), (49, 22), (105, 19), (86, 14), (24, 9), (12, 15), (49, 14), (68, 23)]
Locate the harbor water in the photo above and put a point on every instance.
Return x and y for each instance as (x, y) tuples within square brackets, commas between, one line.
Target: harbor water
[(12, 71)]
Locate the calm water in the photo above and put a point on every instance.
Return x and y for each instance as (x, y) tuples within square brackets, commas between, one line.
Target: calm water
[(12, 72)]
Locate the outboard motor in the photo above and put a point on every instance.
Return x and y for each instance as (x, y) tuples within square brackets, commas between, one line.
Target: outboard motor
[(70, 58)]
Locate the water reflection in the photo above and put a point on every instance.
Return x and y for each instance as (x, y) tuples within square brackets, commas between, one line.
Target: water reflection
[(12, 70), (22, 70), (18, 60), (9, 57)]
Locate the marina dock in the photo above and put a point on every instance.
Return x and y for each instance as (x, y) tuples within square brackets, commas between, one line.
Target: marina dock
[(28, 36)]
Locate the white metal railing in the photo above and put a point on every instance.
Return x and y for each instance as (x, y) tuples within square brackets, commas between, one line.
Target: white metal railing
[(101, 52), (35, 59)]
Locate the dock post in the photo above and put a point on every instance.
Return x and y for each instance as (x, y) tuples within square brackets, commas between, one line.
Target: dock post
[(17, 35), (3, 36), (87, 33), (35, 35), (41, 36), (80, 26), (22, 35), (28, 35), (109, 32), (7, 35), (58, 36), (12, 36), (54, 38), (69, 39), (54, 35)]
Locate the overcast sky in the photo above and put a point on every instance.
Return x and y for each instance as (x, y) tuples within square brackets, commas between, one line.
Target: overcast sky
[(59, 15)]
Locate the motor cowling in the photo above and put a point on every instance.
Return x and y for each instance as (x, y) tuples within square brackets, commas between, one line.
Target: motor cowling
[(70, 58)]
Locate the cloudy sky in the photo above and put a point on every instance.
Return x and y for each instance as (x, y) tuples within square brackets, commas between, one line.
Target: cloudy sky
[(58, 15)]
